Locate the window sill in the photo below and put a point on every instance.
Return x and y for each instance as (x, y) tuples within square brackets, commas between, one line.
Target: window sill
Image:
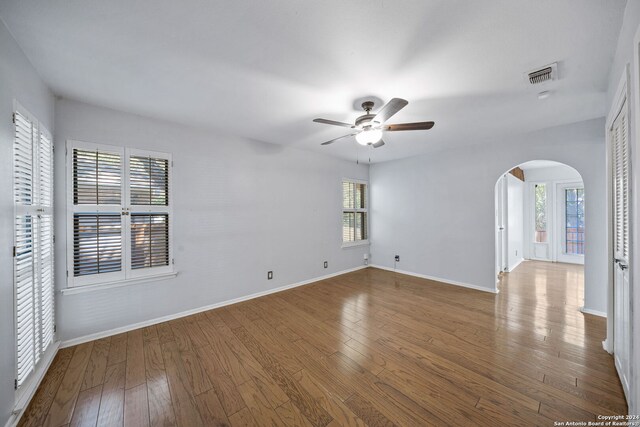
[(355, 244), (117, 284)]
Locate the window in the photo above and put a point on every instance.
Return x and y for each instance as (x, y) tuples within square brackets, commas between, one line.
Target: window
[(119, 214), (33, 242), (541, 213), (354, 212), (574, 221)]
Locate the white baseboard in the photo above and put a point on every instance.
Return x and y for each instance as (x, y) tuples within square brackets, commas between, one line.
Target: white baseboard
[(127, 328), (437, 279), (511, 268), (594, 312), (28, 389)]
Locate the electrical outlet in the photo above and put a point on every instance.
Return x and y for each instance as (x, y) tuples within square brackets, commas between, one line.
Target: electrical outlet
[(269, 275), (326, 264), (397, 258)]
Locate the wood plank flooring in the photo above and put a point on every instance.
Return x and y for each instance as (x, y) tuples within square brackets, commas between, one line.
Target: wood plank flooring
[(366, 348)]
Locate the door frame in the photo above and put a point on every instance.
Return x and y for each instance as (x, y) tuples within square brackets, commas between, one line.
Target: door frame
[(634, 401), (622, 99), (622, 94), (501, 231)]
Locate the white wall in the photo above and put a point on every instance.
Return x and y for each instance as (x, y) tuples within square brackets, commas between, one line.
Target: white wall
[(624, 56), (437, 210), (18, 81), (553, 173), (515, 223), (241, 208)]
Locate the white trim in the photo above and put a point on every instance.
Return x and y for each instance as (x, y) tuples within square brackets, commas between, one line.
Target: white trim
[(117, 283), (365, 210), (356, 243), (515, 265), (622, 94), (634, 400), (115, 331), (619, 100), (28, 390), (595, 313), (437, 279)]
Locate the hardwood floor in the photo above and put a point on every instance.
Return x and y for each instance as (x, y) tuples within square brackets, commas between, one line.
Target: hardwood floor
[(366, 348)]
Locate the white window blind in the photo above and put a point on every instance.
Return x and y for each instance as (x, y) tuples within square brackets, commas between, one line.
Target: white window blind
[(354, 212), (33, 242), (620, 142), (121, 213)]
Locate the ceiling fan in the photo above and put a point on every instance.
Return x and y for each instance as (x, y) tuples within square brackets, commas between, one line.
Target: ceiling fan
[(368, 128)]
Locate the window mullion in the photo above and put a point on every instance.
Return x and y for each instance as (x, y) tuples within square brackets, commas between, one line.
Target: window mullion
[(126, 217)]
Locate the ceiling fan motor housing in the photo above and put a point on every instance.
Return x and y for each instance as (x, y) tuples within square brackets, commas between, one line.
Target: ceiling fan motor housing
[(367, 106), (364, 119)]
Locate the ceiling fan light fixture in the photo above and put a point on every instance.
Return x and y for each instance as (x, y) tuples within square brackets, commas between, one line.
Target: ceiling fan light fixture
[(369, 136), (369, 127)]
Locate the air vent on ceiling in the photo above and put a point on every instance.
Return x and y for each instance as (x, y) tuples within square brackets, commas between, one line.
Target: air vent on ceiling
[(544, 74)]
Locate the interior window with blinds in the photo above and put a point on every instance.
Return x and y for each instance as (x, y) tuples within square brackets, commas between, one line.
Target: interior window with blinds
[(121, 213), (354, 212), (33, 243)]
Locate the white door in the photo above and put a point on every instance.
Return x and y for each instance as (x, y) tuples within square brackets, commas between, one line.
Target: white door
[(622, 313)]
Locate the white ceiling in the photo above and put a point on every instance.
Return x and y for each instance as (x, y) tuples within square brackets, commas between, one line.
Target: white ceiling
[(264, 69)]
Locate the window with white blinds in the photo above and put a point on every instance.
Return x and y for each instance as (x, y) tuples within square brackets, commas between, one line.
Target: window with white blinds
[(620, 143), (354, 212), (33, 242), (119, 214)]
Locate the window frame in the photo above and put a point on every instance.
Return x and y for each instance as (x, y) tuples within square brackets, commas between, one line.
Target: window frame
[(361, 242), (126, 276), (562, 215), (547, 230)]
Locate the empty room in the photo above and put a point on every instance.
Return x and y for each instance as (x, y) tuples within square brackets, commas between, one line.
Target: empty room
[(330, 213)]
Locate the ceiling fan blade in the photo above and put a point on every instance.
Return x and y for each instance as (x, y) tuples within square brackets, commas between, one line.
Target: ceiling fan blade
[(409, 126), (392, 107), (378, 144), (333, 122), (335, 139)]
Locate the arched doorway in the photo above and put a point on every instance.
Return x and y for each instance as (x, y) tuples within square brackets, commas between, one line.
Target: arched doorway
[(540, 218)]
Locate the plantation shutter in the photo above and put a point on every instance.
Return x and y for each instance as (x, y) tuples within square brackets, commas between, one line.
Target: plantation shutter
[(121, 222), (97, 244), (620, 142), (149, 240), (150, 219), (33, 243), (354, 211), (98, 224), (46, 238)]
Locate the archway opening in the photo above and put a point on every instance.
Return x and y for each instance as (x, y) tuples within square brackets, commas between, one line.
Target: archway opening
[(540, 227)]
